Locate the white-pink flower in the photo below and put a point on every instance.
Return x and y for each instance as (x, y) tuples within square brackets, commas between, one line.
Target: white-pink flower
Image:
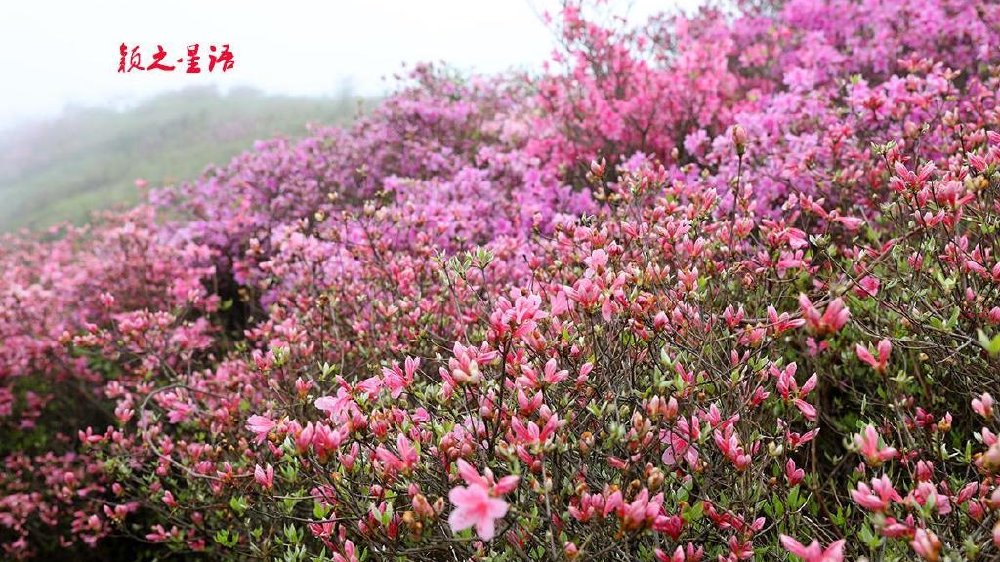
[(474, 507)]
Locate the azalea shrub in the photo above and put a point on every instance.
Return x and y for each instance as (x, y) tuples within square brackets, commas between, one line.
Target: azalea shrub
[(717, 286)]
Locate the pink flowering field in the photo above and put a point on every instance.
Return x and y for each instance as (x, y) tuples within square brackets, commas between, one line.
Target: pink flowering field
[(714, 287)]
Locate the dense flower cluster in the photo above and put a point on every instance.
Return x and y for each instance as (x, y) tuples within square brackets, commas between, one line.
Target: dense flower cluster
[(715, 287)]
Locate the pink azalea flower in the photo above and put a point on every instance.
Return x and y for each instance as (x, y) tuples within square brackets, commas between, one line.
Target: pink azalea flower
[(679, 443), (814, 552), (396, 379), (179, 411), (796, 440), (260, 426), (793, 473), (789, 389), (781, 322), (926, 544), (983, 405), (830, 321), (168, 498), (264, 476), (339, 407), (878, 496), (884, 349), (868, 445), (867, 287), (806, 408), (406, 456), (475, 508), (925, 493), (851, 223), (350, 553)]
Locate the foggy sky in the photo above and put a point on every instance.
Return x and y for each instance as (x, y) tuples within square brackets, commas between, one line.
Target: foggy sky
[(55, 53)]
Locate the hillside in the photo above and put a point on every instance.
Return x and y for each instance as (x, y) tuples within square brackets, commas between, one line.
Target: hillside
[(89, 158), (711, 287)]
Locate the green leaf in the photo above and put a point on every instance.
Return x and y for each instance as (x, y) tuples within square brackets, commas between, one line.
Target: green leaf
[(226, 538), (793, 499), (693, 513), (239, 505), (292, 534), (869, 538), (991, 345), (320, 511)]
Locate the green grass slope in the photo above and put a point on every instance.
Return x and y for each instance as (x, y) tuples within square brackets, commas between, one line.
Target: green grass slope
[(88, 159)]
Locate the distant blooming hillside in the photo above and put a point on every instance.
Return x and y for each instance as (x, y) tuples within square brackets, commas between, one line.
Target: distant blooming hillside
[(719, 287)]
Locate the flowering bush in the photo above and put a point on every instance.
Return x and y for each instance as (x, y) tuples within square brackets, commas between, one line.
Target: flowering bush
[(718, 287)]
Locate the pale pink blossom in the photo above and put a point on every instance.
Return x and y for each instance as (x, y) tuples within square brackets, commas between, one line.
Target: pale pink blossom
[(474, 507), (260, 426), (983, 405)]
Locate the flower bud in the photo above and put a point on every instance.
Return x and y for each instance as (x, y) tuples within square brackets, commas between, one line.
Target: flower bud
[(991, 458), (597, 168), (655, 479), (740, 139)]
